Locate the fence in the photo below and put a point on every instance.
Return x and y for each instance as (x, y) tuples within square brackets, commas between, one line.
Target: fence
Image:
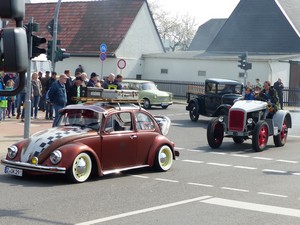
[(291, 97)]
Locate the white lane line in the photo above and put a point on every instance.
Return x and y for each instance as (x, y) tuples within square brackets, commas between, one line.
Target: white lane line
[(218, 164), (122, 215), (202, 185), (167, 180), (298, 174), (194, 150), (238, 155), (140, 176), (192, 161), (287, 161), (245, 167), (275, 171), (219, 153), (270, 194), (178, 148), (234, 189), (263, 158), (253, 207)]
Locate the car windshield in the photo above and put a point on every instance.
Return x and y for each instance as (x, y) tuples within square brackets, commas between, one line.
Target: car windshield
[(149, 86), (82, 118)]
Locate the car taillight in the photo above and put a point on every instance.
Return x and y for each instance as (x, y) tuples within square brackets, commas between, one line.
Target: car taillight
[(236, 120)]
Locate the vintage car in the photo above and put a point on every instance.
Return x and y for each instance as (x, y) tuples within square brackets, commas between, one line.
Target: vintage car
[(149, 93), (250, 119), (98, 138)]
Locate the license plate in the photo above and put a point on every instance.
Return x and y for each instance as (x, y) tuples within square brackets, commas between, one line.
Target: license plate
[(164, 104), (13, 171)]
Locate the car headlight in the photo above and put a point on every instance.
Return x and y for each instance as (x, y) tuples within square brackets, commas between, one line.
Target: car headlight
[(55, 157), (155, 96), (12, 151), (249, 120), (221, 119)]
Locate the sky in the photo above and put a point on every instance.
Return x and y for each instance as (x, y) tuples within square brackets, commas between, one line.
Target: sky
[(202, 10)]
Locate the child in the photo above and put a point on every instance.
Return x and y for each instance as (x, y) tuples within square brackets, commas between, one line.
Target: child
[(10, 99), (249, 94), (3, 103)]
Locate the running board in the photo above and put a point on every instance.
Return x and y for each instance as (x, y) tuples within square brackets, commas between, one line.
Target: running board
[(123, 169)]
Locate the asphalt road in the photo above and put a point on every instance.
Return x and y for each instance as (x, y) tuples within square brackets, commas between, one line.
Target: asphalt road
[(231, 185)]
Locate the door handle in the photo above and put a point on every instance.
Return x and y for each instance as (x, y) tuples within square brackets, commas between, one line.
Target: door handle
[(133, 136)]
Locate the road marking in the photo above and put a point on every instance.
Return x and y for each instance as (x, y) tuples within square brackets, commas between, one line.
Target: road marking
[(298, 174), (218, 164), (192, 161), (167, 180), (263, 158), (275, 171), (139, 176), (238, 155), (194, 150), (122, 215), (253, 207), (245, 167), (219, 153), (287, 161), (234, 189), (270, 194), (203, 185)]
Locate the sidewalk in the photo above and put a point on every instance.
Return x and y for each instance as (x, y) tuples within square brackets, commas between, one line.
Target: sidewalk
[(12, 130)]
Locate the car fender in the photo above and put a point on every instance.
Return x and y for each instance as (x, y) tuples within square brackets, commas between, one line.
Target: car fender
[(279, 117), (70, 151), (157, 143), (196, 101), (222, 107)]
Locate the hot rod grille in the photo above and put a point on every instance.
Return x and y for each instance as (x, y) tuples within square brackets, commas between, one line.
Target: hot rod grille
[(236, 120)]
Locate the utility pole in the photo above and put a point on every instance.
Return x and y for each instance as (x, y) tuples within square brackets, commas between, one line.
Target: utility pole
[(54, 40)]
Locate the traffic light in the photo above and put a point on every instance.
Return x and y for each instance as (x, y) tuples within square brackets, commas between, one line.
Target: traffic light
[(49, 50), (248, 66), (242, 61), (36, 42), (61, 54)]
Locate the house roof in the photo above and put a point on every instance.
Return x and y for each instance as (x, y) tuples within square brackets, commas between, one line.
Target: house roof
[(87, 24), (206, 34), (260, 27)]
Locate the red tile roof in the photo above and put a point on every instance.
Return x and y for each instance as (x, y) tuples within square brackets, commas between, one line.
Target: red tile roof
[(85, 25)]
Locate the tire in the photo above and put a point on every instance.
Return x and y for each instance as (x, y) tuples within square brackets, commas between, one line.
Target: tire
[(215, 133), (165, 106), (194, 111), (238, 140), (163, 159), (260, 136), (280, 139), (80, 169), (147, 104)]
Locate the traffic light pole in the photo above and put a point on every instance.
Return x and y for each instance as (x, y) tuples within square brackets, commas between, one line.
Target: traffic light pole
[(54, 40), (27, 105)]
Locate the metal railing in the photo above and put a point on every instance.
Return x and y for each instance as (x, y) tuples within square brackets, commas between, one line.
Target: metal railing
[(291, 97)]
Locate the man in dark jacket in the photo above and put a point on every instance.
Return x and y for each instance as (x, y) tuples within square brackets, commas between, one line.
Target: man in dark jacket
[(49, 107), (76, 90), (269, 94), (58, 96), (278, 85)]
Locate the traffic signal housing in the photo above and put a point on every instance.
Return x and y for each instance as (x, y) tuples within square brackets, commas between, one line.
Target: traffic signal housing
[(36, 42), (242, 61), (49, 50), (61, 54)]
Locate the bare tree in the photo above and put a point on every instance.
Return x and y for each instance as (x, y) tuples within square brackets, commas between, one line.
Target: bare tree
[(177, 31)]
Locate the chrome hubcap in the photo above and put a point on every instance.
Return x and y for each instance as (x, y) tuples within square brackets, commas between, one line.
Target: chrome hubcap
[(81, 166)]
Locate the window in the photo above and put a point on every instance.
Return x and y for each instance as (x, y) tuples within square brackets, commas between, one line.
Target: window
[(144, 122), (201, 73), (119, 122), (164, 71)]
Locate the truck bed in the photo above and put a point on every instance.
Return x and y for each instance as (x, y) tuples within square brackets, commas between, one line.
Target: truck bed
[(196, 89)]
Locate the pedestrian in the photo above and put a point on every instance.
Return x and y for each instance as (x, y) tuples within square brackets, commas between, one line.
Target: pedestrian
[(49, 107), (85, 79), (58, 96), (249, 94), (36, 94), (79, 69), (257, 80), (111, 83), (278, 85), (69, 81), (42, 103), (3, 103), (10, 99), (119, 79), (76, 91), (21, 97), (93, 81)]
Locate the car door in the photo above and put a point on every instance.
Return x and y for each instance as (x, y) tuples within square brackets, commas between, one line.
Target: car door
[(212, 99), (119, 142)]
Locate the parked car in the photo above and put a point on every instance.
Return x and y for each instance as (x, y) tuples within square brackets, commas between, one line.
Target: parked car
[(214, 99), (149, 93), (250, 119), (99, 138)]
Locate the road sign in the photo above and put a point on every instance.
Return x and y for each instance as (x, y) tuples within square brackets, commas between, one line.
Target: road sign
[(102, 56), (103, 48), (121, 64)]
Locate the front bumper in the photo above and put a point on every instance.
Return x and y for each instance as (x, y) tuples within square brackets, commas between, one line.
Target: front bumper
[(32, 167)]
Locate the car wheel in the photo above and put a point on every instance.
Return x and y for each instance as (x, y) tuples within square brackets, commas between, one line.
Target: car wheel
[(260, 136), (215, 133), (280, 139), (238, 140), (194, 111), (165, 106), (80, 169), (147, 104), (163, 159)]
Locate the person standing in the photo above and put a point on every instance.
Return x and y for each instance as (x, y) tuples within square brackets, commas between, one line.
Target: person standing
[(69, 81), (257, 80), (3, 102), (49, 107), (93, 81), (58, 96), (278, 85), (77, 90), (10, 99), (37, 93), (111, 83)]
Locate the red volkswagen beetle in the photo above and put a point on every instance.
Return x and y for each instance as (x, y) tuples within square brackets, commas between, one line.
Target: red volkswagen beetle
[(99, 138)]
